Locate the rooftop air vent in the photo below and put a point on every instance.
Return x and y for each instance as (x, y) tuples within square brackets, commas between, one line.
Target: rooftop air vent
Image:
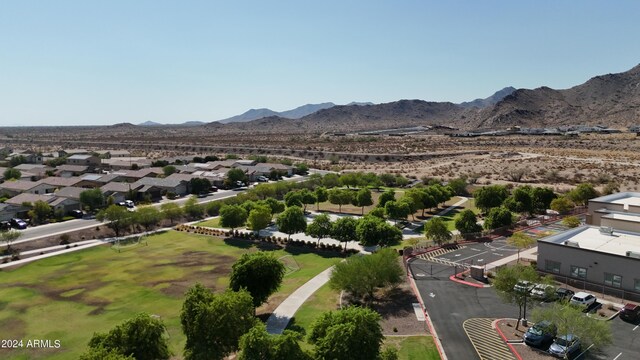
[(572, 243)]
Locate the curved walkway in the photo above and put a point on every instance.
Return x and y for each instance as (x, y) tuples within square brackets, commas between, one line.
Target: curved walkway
[(281, 316)]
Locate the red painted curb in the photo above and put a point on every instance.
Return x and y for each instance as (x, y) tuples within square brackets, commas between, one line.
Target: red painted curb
[(504, 338), (460, 281), (428, 319)]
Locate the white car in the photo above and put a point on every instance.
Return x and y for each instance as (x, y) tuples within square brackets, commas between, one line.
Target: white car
[(543, 291), (583, 299)]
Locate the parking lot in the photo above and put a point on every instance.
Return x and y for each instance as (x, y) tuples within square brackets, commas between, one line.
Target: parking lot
[(450, 304)]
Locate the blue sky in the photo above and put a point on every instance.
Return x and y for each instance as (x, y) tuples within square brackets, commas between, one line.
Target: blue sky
[(105, 62)]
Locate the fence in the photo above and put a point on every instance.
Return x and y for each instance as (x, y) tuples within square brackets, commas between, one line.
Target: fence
[(596, 287)]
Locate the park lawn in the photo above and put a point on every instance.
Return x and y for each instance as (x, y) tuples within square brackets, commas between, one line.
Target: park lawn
[(414, 347), (71, 296), (214, 223)]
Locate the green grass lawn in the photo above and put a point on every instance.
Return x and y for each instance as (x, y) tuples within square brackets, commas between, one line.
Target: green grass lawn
[(71, 296), (414, 347), (214, 223)]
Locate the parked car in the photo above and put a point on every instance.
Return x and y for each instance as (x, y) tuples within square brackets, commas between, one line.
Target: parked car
[(583, 299), (5, 225), (213, 189), (76, 214), (565, 345), (130, 204), (203, 195), (564, 293), (18, 223), (630, 312), (543, 292), (523, 286), (540, 334), (262, 179)]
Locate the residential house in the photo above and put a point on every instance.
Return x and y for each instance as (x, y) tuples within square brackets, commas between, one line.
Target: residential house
[(13, 188), (91, 161), (119, 191), (9, 211), (56, 203), (156, 187), (109, 154), (66, 170)]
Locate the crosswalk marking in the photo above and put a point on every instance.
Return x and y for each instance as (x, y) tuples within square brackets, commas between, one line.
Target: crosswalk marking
[(486, 340), (434, 256)]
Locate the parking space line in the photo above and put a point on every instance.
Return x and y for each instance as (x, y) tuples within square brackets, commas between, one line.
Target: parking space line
[(472, 256), (485, 340), (634, 329), (616, 358)]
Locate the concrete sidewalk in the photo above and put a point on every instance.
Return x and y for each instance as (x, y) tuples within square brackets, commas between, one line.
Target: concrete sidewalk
[(281, 316)]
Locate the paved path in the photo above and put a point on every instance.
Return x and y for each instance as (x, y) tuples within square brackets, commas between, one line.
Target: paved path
[(281, 316)]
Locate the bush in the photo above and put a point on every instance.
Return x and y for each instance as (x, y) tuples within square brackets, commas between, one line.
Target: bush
[(64, 239)]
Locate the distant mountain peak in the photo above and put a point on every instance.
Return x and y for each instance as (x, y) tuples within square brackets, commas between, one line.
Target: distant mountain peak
[(150, 123), (491, 100)]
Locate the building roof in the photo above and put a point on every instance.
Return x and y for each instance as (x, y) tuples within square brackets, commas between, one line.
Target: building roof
[(80, 157), (114, 152), (592, 238), (159, 182), (60, 181), (72, 168), (625, 198), (29, 167), (70, 192), (118, 187), (75, 151), (19, 185), (29, 198)]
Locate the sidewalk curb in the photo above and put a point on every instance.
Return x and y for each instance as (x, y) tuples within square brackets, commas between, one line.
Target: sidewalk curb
[(504, 338), (432, 330), (455, 278)]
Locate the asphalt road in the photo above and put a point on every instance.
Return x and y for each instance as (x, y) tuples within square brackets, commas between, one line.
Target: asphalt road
[(449, 304), (36, 232)]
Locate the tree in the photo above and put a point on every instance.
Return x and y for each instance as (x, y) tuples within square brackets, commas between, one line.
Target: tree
[(349, 334), (330, 180), (308, 198), (436, 230), (292, 221), (117, 218), (260, 273), (489, 197), (361, 276), (293, 198), (320, 227), (258, 344), (388, 179), (340, 197), (92, 199), (396, 210), (466, 222), (235, 175), (520, 200), (142, 337), (104, 354), (423, 197), (171, 211), (497, 218), (259, 218), (169, 169), (562, 205), (363, 198), (571, 221), (372, 230), (349, 179), (40, 212), (148, 217), (571, 320), (214, 323), (8, 237), (385, 197), (200, 185), (193, 209), (542, 198), (459, 186), (521, 241), (12, 174), (321, 195), (276, 206), (582, 194), (264, 191), (505, 280), (232, 216), (344, 230), (17, 160), (302, 168)]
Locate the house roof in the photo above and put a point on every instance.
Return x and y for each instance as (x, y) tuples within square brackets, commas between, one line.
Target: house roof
[(30, 198), (75, 151), (60, 181), (80, 157), (20, 185), (29, 167), (160, 182), (119, 187), (73, 168), (114, 152), (70, 192), (592, 238)]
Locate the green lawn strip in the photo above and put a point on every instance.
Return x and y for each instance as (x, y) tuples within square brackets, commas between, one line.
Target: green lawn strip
[(214, 223), (71, 296), (414, 347)]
